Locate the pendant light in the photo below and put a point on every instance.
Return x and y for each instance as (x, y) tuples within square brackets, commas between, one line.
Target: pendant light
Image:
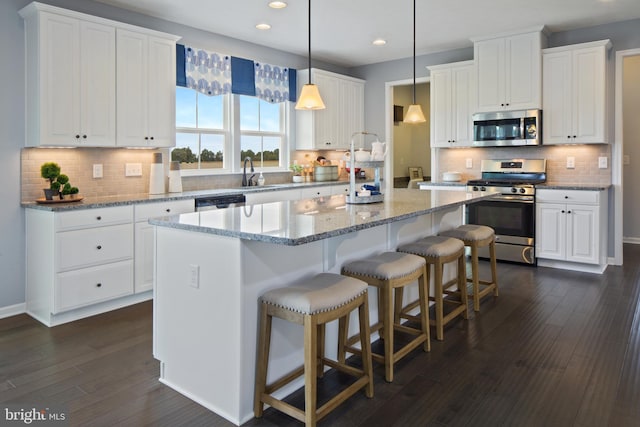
[(414, 113), (309, 98)]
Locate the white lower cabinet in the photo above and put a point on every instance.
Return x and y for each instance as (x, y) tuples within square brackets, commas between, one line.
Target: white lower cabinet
[(77, 260), (571, 229), (144, 241)]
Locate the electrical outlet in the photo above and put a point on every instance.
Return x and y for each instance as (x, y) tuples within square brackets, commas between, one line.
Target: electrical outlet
[(626, 159), (602, 162), (133, 169), (194, 275), (469, 163), (571, 162), (97, 170)]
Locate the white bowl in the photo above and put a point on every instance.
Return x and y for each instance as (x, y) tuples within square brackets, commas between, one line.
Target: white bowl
[(451, 176)]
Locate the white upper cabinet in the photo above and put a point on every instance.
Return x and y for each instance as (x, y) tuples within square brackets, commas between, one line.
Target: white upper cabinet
[(452, 100), (146, 74), (71, 78), (509, 71), (575, 93), (71, 83), (331, 128)]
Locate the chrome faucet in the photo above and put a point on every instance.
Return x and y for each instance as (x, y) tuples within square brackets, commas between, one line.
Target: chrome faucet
[(247, 182)]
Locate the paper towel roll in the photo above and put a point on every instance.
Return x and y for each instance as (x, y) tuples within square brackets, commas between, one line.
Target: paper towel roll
[(156, 175)]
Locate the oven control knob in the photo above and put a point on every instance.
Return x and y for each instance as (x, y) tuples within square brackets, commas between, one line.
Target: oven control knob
[(522, 190), (475, 188), (514, 190), (483, 189)]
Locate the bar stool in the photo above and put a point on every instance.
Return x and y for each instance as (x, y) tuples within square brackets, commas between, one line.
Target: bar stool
[(438, 251), (478, 236), (388, 271), (312, 303)]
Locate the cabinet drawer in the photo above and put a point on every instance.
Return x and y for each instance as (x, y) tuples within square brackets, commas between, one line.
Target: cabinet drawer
[(91, 285), (310, 193), (92, 246), (93, 217), (567, 196), (145, 211)]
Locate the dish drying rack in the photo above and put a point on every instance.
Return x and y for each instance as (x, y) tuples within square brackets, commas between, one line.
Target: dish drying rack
[(352, 197)]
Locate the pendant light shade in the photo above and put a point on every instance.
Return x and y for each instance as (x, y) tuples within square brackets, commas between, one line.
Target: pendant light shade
[(414, 113), (309, 98)]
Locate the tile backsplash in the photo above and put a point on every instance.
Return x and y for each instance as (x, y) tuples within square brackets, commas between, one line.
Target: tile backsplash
[(586, 169)]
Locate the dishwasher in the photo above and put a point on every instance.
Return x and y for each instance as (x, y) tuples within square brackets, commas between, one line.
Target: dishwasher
[(207, 203)]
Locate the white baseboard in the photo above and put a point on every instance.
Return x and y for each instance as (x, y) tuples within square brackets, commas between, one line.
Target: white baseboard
[(13, 310)]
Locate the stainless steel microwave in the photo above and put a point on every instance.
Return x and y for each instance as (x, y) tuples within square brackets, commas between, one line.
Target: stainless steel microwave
[(506, 128)]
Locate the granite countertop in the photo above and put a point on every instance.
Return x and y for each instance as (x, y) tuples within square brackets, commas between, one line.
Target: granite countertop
[(444, 184), (109, 201), (580, 187), (303, 221)]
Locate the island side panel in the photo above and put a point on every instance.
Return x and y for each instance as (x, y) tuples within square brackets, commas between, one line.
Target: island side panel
[(198, 329)]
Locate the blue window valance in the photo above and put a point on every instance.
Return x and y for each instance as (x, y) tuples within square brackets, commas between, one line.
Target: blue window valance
[(216, 74)]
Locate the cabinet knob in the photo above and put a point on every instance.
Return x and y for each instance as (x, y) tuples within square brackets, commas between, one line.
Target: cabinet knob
[(99, 247), (568, 212), (151, 138), (168, 210), (327, 143), (98, 285), (84, 136), (502, 105), (146, 138), (99, 218), (574, 136), (569, 136), (77, 136), (566, 197), (562, 211)]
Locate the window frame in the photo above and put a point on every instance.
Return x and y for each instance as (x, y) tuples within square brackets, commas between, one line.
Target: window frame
[(232, 139)]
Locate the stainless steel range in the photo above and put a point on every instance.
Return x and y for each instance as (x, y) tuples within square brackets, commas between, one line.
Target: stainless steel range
[(512, 213)]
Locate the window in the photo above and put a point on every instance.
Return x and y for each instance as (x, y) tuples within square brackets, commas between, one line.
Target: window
[(208, 142), (201, 130), (261, 131)]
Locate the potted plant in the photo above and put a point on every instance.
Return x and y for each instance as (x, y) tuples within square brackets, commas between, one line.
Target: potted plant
[(50, 171), (59, 184), (297, 172)]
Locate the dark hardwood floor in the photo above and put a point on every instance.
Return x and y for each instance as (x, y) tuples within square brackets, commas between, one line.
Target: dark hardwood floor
[(557, 348)]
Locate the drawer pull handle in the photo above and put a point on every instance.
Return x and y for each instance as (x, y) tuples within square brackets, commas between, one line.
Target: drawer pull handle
[(98, 285), (99, 247)]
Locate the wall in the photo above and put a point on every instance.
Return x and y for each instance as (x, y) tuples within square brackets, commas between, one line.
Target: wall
[(631, 134), (586, 169), (411, 141)]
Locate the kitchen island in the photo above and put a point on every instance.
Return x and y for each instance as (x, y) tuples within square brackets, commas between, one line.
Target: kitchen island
[(212, 266)]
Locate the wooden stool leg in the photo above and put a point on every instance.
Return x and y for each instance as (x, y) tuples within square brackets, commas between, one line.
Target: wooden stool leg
[(494, 273), (343, 336), (387, 302), (320, 355), (381, 312), (310, 370), (476, 281), (264, 342), (438, 267), (365, 344), (423, 294), (398, 305), (462, 284)]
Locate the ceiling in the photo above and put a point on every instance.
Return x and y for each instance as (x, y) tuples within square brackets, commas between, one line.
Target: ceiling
[(343, 30)]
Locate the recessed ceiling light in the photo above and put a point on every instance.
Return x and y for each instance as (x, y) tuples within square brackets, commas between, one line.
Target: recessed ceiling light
[(263, 26), (379, 42), (277, 4)]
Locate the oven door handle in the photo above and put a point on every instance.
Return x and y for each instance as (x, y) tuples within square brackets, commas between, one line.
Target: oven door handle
[(528, 251), (514, 199)]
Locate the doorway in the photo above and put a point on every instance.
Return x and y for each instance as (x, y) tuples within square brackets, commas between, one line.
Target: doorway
[(408, 144), (626, 151)]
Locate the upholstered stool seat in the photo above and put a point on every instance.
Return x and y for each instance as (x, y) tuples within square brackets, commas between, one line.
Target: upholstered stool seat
[(388, 271), (439, 251), (477, 236), (312, 303)]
